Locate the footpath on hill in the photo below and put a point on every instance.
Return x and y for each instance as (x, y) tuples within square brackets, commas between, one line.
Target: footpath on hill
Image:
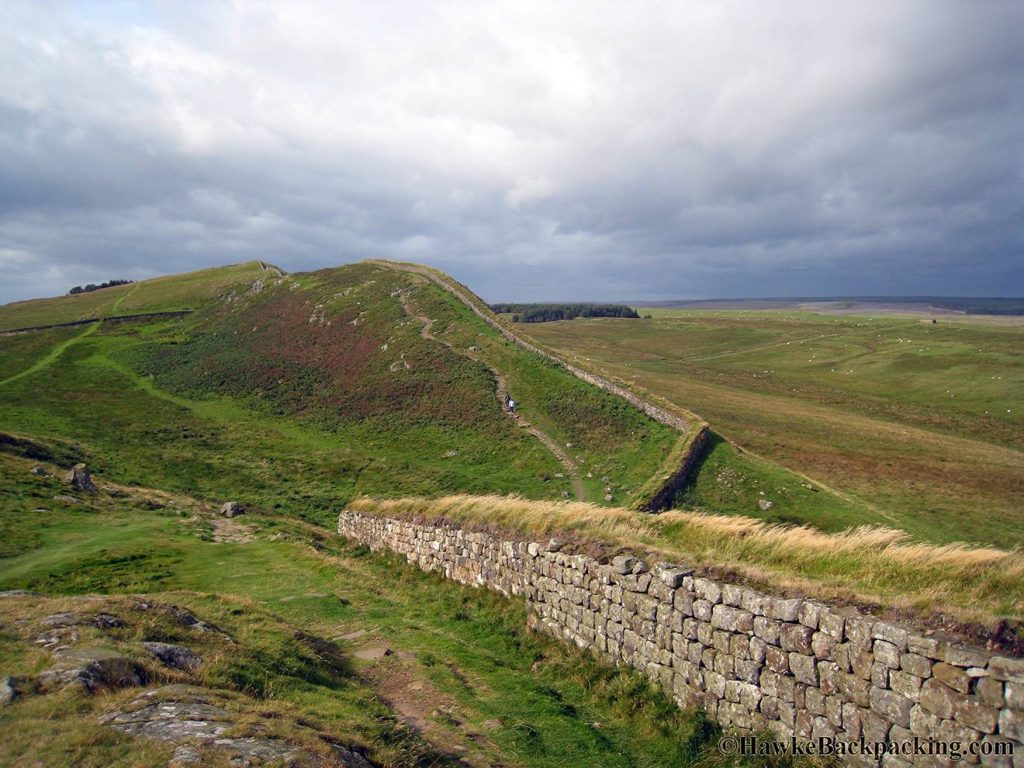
[(501, 390)]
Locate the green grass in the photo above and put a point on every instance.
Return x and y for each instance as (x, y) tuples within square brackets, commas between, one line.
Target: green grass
[(537, 702), (903, 422), (161, 294), (310, 391)]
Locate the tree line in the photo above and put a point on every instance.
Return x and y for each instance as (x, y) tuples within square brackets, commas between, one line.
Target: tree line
[(94, 287), (545, 313)]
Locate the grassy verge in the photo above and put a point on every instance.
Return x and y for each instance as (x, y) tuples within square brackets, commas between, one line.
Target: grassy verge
[(864, 565)]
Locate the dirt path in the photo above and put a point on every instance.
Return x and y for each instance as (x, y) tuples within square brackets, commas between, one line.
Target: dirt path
[(50, 358), (501, 389), (229, 530)]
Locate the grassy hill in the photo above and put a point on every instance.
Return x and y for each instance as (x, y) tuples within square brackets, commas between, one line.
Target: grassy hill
[(296, 393), (161, 294), (299, 392)]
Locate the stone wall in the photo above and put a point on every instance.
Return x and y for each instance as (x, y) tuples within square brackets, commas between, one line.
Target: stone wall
[(793, 667)]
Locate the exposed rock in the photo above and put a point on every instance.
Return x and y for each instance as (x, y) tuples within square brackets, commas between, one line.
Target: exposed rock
[(764, 504), (623, 564), (11, 688), (185, 756), (373, 653), (65, 499), (19, 593), (81, 479), (174, 656), (39, 471), (181, 714), (609, 497), (91, 669), (72, 619), (232, 509), (189, 620)]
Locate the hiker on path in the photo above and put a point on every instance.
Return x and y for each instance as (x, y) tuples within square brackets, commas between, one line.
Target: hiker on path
[(511, 406)]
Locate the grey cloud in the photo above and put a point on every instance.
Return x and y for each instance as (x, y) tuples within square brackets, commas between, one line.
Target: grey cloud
[(652, 150)]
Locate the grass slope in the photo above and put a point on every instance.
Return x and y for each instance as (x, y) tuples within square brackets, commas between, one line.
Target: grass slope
[(913, 425), (300, 605), (160, 294), (300, 392)]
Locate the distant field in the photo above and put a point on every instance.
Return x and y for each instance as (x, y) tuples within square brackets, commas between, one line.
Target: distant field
[(867, 305), (913, 424)]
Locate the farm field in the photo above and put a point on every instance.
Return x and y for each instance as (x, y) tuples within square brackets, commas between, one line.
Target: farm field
[(913, 424)]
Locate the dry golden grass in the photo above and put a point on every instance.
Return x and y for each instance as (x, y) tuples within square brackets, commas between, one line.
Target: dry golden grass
[(866, 564)]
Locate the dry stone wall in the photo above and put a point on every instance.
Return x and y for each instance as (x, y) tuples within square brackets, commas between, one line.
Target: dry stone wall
[(793, 667)]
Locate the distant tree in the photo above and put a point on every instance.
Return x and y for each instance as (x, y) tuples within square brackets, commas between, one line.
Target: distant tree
[(544, 313), (93, 287)]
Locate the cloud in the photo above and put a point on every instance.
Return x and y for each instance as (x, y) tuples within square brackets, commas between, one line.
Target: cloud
[(536, 150)]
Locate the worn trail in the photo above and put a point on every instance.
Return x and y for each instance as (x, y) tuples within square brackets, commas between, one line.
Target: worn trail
[(501, 389)]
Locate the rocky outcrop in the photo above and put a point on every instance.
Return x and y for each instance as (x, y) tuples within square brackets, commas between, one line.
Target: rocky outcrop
[(81, 479), (174, 656), (753, 661), (90, 670), (232, 509), (198, 721)]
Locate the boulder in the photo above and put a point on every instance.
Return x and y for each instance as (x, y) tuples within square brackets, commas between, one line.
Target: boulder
[(81, 479), (91, 669), (764, 504), (232, 509), (174, 656), (11, 688)]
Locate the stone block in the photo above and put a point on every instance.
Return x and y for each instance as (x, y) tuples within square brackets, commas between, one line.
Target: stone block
[(892, 706), (732, 594), (767, 629), (776, 660), (990, 690), (732, 619), (1003, 668), (973, 713), (822, 645), (890, 633), (965, 656), (809, 613), (782, 609), (887, 653), (804, 668), (707, 590), (917, 665), (796, 637), (938, 698), (952, 676), (832, 624), (905, 684), (1011, 724)]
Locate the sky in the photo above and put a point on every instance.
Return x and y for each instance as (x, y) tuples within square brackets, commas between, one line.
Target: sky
[(535, 150)]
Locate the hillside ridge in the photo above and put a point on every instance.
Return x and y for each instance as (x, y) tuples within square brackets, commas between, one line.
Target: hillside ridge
[(695, 434)]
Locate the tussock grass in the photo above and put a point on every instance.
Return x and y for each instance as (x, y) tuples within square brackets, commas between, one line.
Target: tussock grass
[(863, 564)]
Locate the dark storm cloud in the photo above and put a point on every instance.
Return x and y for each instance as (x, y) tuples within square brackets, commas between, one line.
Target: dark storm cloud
[(587, 150)]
